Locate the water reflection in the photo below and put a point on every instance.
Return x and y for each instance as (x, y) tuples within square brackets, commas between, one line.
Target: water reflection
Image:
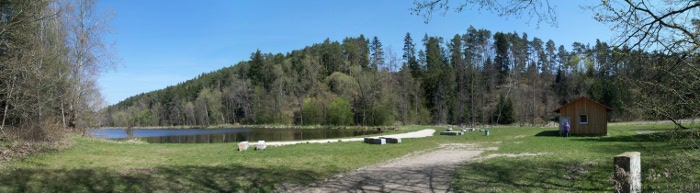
[(227, 135), (129, 132)]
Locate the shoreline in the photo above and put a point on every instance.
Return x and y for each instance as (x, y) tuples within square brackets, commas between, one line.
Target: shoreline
[(230, 126), (415, 134)]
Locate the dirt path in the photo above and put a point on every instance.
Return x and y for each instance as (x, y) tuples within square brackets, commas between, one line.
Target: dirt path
[(429, 171), (415, 134)]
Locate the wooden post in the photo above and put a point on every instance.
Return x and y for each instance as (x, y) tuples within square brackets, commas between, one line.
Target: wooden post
[(628, 173)]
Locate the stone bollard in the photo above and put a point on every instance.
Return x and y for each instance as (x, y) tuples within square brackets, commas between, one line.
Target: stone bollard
[(628, 173), (393, 140), (243, 145), (261, 145), (380, 141)]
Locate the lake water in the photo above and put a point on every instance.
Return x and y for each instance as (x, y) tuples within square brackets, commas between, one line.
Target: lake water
[(226, 135)]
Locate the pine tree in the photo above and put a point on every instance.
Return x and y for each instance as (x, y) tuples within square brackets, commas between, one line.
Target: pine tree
[(377, 57), (504, 112), (409, 56), (501, 60)]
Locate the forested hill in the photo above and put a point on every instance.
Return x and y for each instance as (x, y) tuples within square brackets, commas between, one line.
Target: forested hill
[(475, 78)]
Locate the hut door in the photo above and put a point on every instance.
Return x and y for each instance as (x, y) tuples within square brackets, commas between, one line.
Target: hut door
[(562, 121)]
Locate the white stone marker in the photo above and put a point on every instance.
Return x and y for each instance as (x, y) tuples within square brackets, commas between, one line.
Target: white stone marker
[(243, 145), (261, 145), (628, 173)]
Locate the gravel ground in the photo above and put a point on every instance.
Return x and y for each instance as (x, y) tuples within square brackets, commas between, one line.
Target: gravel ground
[(415, 134), (429, 171)]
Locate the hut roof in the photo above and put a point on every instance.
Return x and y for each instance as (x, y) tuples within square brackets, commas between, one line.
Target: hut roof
[(607, 109)]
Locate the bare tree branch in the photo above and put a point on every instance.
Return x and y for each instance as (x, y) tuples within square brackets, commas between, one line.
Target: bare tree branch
[(541, 10)]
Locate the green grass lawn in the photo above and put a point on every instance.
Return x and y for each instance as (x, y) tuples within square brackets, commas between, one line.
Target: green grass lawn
[(565, 164), (103, 166), (579, 164)]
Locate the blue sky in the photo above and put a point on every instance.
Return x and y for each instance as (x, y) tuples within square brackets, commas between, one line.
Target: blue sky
[(163, 43)]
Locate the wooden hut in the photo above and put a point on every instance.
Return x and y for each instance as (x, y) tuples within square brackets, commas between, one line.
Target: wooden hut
[(585, 116)]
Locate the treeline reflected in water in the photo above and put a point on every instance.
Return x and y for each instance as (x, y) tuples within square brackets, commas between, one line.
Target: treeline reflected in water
[(261, 134)]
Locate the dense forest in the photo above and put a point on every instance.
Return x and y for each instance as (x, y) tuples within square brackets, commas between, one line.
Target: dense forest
[(51, 53), (479, 77)]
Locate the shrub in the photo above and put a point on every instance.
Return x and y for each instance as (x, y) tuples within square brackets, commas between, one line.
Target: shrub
[(340, 112), (312, 112), (504, 112)]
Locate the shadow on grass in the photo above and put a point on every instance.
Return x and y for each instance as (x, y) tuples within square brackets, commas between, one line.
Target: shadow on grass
[(644, 143), (656, 137), (233, 178), (548, 133), (417, 179), (531, 175)]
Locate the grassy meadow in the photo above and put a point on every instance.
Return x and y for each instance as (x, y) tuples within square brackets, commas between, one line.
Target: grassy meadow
[(527, 159), (579, 164)]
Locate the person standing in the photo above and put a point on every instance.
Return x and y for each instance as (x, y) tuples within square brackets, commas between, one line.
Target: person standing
[(566, 129)]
